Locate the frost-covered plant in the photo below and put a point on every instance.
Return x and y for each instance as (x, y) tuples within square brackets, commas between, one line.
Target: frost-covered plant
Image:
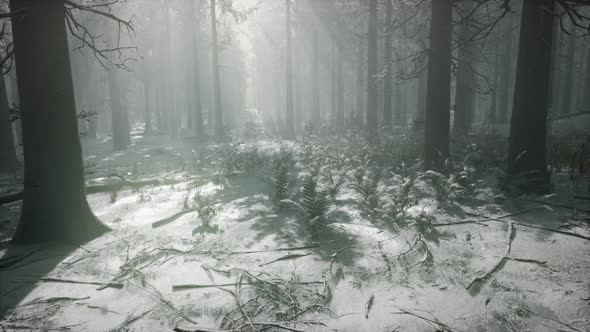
[(401, 201), (314, 202), (334, 183), (205, 208), (366, 185), (280, 181), (447, 189)]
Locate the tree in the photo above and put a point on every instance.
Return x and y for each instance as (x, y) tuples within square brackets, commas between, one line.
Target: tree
[(438, 86), (289, 125), (119, 116), (8, 161), (316, 116), (528, 130), (219, 130), (465, 94), (196, 78), (388, 81), (372, 79), (54, 202)]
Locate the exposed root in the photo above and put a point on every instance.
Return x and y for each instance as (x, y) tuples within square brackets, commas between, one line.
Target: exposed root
[(500, 263)]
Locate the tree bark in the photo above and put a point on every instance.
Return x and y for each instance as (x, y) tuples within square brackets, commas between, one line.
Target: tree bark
[(438, 95), (372, 80), (528, 131), (289, 118), (569, 74), (54, 202), (219, 128), (8, 161)]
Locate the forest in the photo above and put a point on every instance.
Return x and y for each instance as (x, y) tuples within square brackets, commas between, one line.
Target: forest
[(295, 165)]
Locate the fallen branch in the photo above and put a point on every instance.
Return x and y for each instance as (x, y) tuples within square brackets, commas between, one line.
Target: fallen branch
[(11, 198), (533, 261), (441, 326), (563, 206), (131, 320), (12, 260), (176, 288), (53, 300), (500, 263), (478, 222), (273, 250), (66, 281), (284, 258), (172, 218)]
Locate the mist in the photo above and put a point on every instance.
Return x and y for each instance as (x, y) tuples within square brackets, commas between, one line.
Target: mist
[(294, 165)]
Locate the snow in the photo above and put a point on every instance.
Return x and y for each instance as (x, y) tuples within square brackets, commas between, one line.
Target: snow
[(354, 255)]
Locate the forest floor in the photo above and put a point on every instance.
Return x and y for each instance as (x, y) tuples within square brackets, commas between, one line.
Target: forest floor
[(207, 248)]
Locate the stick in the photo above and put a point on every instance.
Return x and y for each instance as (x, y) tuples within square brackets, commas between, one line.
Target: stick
[(563, 206), (105, 285), (435, 321), (239, 303), (287, 257), (273, 250), (54, 299), (170, 219), (176, 288), (130, 320)]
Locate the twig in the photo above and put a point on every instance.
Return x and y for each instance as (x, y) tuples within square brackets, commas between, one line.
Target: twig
[(369, 305), (283, 258), (239, 303), (102, 284), (131, 320), (273, 250), (441, 326), (53, 300)]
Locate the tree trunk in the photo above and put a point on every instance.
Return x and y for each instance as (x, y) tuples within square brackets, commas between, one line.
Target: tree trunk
[(8, 161), (528, 131), (147, 101), (372, 80), (219, 130), (360, 82), (505, 79), (120, 119), (465, 80), (438, 91), (569, 74), (198, 109), (54, 202), (316, 116), (388, 82), (289, 119), (586, 99), (339, 89)]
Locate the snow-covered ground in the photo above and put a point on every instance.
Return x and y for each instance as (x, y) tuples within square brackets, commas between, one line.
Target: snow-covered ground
[(449, 262)]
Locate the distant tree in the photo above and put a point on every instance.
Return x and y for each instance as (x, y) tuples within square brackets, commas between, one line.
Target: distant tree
[(119, 115), (196, 77), (372, 79), (289, 118), (387, 58), (438, 95), (219, 128), (528, 130), (54, 203)]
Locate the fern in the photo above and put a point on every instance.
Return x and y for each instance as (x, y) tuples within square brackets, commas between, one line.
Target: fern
[(315, 203), (367, 186), (280, 182)]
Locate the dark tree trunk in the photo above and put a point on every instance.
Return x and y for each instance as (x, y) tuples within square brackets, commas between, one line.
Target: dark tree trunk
[(54, 202), (586, 99), (219, 130), (528, 131), (569, 74), (388, 81), (120, 119), (464, 93), (289, 118), (505, 88), (421, 103), (8, 161), (372, 80), (438, 91)]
